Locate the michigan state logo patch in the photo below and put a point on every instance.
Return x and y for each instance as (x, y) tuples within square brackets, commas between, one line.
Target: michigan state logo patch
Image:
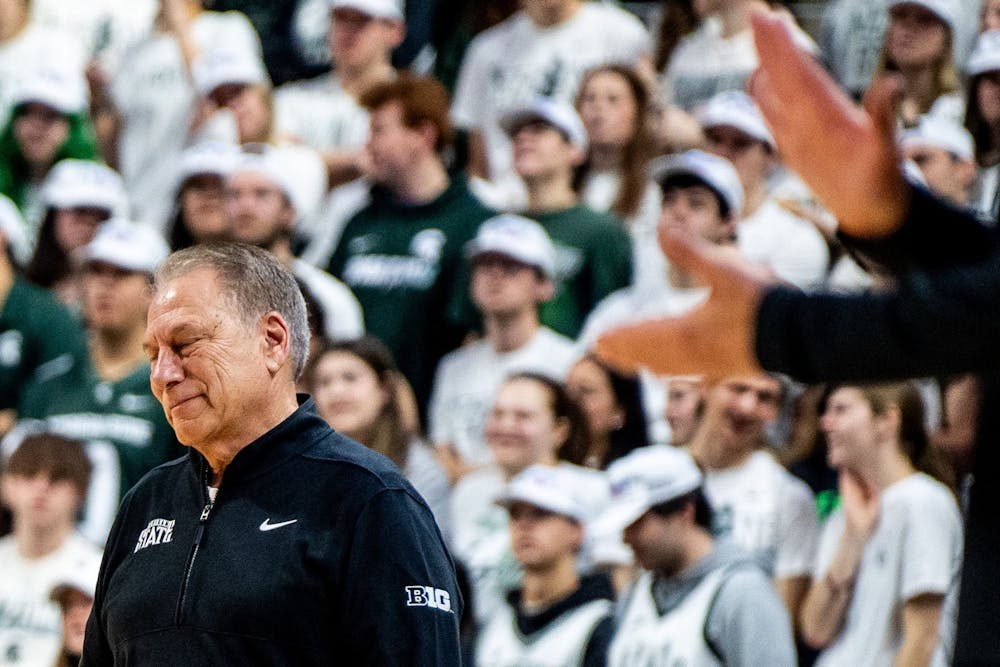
[(159, 531)]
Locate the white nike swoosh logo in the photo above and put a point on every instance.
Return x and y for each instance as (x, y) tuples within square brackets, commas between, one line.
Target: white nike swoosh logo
[(267, 525)]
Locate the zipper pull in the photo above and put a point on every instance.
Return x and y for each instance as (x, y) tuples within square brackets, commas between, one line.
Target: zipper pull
[(205, 512)]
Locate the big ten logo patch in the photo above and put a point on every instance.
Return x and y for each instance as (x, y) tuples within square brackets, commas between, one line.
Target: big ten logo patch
[(159, 531), (428, 596)]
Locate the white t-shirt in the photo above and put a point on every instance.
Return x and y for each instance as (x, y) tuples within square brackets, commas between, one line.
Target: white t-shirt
[(467, 380), (766, 510), (341, 311), (914, 550), (792, 247), (320, 114), (30, 623), (37, 44), (515, 61), (705, 63), (153, 93), (648, 263)]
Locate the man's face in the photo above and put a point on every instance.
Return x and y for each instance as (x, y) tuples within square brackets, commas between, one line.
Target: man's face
[(657, 542), (694, 210), (539, 538), (740, 409), (393, 148), (749, 156), (542, 151), (208, 367), (357, 40), (259, 212), (114, 300), (946, 174), (504, 286)]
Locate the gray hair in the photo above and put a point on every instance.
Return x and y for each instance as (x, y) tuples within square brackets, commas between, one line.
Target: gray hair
[(254, 283)]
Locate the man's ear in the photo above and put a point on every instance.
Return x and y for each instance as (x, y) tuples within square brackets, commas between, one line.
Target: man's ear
[(276, 341)]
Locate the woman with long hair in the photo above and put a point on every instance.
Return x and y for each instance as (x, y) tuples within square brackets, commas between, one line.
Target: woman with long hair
[(612, 405), (199, 213), (360, 392), (887, 556), (918, 47)]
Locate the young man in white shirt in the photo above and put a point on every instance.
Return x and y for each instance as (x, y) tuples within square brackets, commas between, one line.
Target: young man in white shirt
[(44, 483), (557, 616), (767, 233), (756, 502), (512, 262), (699, 601)]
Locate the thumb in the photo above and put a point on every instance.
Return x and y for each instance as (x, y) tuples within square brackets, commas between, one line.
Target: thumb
[(880, 102)]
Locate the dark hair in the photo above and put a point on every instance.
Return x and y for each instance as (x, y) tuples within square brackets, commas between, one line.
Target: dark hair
[(59, 457), (703, 513), (987, 150), (678, 19), (682, 181), (637, 151), (423, 100), (574, 449), (634, 431), (49, 264), (388, 435)]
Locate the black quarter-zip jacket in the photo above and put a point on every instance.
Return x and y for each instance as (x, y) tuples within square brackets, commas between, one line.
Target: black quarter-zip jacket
[(316, 551)]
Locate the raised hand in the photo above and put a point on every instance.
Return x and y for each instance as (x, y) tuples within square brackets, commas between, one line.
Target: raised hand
[(845, 153), (716, 339)]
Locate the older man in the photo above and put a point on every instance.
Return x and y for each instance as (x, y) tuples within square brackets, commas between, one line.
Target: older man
[(276, 541)]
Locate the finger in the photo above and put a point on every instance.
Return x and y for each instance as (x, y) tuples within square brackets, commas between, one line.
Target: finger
[(691, 254)]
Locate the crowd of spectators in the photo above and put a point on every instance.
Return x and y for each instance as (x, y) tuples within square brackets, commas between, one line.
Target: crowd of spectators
[(470, 195)]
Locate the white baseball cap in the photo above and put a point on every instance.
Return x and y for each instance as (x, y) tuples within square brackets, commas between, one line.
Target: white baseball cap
[(986, 56), (734, 108), (78, 183), (946, 10), (217, 68), (62, 88), (940, 132), (552, 488), (644, 478), (82, 577), (716, 172), (516, 237), (128, 245), (208, 157), (14, 230), (558, 114), (380, 9), (299, 172)]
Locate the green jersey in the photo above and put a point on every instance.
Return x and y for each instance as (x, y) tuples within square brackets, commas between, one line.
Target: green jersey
[(406, 265), (122, 424), (593, 259), (34, 330)]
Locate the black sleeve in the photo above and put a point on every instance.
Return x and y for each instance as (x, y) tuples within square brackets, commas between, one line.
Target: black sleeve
[(935, 235), (934, 323), (596, 654), (96, 647), (401, 592)]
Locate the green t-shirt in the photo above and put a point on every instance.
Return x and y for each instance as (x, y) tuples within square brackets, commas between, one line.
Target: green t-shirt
[(406, 265), (121, 422), (34, 329), (593, 259)]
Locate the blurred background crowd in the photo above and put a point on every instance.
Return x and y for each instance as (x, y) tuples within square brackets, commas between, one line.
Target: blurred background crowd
[(469, 194)]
